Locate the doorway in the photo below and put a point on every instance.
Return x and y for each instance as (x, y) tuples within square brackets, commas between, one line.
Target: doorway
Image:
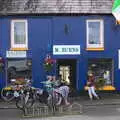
[(67, 70)]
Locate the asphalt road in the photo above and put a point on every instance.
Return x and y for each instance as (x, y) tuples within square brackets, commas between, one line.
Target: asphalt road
[(101, 112), (10, 114)]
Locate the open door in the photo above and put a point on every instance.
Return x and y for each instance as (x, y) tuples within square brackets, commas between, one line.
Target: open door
[(67, 69)]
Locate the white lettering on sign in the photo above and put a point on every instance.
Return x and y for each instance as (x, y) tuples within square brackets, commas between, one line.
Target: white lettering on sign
[(66, 49), (16, 54)]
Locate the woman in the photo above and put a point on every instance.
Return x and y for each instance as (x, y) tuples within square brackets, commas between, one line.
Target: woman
[(91, 87), (63, 90)]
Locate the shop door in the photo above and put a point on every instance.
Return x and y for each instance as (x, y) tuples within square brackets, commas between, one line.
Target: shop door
[(67, 69)]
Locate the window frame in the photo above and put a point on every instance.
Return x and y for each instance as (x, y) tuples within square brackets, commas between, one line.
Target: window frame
[(95, 46), (19, 46)]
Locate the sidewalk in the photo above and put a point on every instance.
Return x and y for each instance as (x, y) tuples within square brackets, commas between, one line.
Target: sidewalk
[(105, 99), (7, 105)]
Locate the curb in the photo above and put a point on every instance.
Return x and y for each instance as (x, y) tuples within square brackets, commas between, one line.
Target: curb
[(101, 104), (8, 108)]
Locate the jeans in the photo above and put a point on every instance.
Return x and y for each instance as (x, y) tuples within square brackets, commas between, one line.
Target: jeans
[(91, 92)]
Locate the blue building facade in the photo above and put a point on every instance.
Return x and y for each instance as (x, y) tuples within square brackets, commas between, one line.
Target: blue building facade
[(47, 32)]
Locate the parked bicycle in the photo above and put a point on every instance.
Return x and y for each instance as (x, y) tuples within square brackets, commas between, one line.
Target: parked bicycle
[(56, 94), (31, 95), (25, 98), (20, 93), (10, 92), (51, 96)]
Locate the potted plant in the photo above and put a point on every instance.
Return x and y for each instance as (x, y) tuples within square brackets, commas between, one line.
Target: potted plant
[(99, 84), (48, 63)]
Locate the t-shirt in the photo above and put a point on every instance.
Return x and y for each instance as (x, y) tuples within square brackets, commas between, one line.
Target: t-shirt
[(91, 81)]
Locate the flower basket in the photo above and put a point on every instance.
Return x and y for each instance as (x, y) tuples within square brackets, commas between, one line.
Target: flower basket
[(48, 67), (48, 63)]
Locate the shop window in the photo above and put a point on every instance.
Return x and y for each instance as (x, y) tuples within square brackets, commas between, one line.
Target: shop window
[(102, 69), (19, 35), (95, 35), (19, 70)]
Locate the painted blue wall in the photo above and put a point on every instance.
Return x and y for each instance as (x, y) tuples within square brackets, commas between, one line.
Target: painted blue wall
[(45, 31)]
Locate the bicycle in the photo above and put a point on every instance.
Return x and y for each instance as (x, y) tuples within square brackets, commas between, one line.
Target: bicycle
[(10, 92), (25, 98), (53, 97), (50, 96)]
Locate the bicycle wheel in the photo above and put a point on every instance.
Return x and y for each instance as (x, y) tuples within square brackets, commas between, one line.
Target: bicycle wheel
[(7, 94), (52, 100), (29, 103), (20, 102)]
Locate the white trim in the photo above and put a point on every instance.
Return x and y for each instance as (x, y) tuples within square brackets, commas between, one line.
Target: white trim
[(13, 45), (101, 45)]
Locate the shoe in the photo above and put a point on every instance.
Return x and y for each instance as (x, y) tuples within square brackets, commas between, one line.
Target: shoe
[(91, 99), (58, 104), (67, 103), (97, 97), (49, 97)]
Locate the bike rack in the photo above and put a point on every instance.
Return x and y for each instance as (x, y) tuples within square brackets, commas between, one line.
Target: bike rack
[(44, 111)]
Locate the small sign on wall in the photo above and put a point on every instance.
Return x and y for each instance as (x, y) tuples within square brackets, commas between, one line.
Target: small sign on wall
[(16, 54), (66, 49)]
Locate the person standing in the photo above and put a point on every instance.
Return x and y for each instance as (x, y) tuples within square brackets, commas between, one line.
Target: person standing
[(63, 91), (91, 87)]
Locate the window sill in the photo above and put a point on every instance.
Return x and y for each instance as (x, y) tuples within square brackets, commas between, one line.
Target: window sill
[(95, 49), (18, 49), (105, 88), (109, 87)]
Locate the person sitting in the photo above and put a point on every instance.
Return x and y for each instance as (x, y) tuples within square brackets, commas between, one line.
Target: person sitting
[(91, 86)]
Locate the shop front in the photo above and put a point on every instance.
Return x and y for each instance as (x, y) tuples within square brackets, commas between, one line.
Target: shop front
[(76, 50), (18, 67)]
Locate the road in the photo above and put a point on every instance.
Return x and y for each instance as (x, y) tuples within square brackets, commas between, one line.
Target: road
[(100, 112), (10, 114)]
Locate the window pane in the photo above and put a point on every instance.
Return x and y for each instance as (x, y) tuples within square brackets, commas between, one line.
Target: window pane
[(94, 32), (102, 69), (19, 33)]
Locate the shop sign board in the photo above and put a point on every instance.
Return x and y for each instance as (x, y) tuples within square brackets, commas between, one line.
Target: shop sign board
[(66, 49), (16, 54)]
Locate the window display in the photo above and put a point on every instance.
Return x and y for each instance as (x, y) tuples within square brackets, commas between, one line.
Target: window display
[(19, 69), (102, 69)]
